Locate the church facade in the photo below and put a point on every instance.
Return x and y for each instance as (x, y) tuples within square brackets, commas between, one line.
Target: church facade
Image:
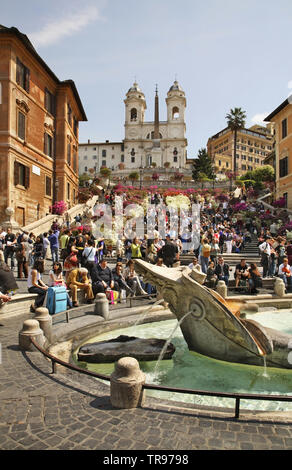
[(146, 143)]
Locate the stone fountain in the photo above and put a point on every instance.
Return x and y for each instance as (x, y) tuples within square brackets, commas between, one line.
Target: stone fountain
[(213, 326)]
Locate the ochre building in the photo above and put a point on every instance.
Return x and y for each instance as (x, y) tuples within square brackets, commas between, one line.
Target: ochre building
[(39, 118), (281, 118), (253, 146)]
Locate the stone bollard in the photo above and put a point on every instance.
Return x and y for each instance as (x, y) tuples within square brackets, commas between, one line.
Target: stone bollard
[(101, 306), (45, 321), (30, 328), (279, 287), (221, 288), (126, 384)]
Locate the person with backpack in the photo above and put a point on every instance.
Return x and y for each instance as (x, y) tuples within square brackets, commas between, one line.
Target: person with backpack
[(169, 252), (88, 255)]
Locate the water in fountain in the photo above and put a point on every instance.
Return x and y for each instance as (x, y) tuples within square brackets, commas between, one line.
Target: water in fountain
[(161, 355), (265, 373), (187, 369), (158, 302)]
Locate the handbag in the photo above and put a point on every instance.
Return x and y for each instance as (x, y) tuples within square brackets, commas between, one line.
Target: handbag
[(84, 259), (112, 296)]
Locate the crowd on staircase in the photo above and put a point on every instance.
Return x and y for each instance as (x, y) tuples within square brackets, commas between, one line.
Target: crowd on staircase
[(80, 260)]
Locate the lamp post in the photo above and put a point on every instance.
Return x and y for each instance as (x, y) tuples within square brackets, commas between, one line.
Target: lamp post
[(141, 170)]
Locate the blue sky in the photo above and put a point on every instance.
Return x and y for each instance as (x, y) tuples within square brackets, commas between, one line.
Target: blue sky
[(225, 54)]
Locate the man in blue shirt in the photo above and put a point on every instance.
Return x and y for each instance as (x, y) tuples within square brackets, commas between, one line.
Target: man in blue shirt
[(54, 244)]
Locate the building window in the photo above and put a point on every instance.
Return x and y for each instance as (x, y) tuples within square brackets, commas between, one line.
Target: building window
[(103, 163), (21, 125), (175, 113), (85, 168), (48, 145), (75, 127), (75, 162), (50, 102), (132, 159), (175, 158), (285, 196), (68, 190), (283, 167), (103, 153), (122, 158), (48, 186), (69, 153), (94, 157), (69, 114), (21, 175), (284, 128), (22, 75), (133, 114)]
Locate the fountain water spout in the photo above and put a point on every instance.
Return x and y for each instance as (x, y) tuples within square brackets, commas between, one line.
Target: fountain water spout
[(161, 355)]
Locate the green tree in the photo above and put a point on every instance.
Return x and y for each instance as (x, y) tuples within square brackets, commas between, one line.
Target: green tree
[(260, 175), (235, 121), (203, 165), (105, 172), (134, 176), (83, 179)]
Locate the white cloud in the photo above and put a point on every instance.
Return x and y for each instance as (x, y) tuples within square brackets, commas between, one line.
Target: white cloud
[(53, 31), (259, 119)]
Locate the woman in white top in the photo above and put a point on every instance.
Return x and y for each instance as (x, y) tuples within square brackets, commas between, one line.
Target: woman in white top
[(285, 272), (36, 285), (88, 255), (56, 275)]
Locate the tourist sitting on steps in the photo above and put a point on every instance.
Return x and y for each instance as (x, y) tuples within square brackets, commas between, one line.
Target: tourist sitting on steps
[(132, 278), (78, 279), (222, 270), (254, 279), (36, 285), (120, 281), (285, 273), (102, 278), (241, 273), (211, 278)]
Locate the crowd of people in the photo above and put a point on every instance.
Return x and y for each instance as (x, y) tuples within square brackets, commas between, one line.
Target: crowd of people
[(79, 260)]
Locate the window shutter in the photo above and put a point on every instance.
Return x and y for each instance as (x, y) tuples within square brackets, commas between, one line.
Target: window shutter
[(53, 105), (45, 144), (16, 173), (46, 99), (27, 79), (26, 176), (18, 71), (21, 125)]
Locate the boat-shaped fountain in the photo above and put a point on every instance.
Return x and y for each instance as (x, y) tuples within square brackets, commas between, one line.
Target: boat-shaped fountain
[(212, 326)]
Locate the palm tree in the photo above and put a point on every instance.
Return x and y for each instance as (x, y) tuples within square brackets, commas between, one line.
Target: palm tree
[(235, 121)]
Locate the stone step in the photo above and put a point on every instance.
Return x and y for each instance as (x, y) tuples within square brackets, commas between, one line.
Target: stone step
[(18, 305)]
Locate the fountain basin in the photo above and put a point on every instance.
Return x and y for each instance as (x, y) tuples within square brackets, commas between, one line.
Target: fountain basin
[(191, 370), (114, 349)]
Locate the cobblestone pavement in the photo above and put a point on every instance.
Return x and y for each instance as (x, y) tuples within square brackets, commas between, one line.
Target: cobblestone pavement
[(39, 410)]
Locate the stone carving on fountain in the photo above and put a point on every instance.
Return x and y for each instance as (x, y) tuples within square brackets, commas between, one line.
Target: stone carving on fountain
[(214, 327)]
